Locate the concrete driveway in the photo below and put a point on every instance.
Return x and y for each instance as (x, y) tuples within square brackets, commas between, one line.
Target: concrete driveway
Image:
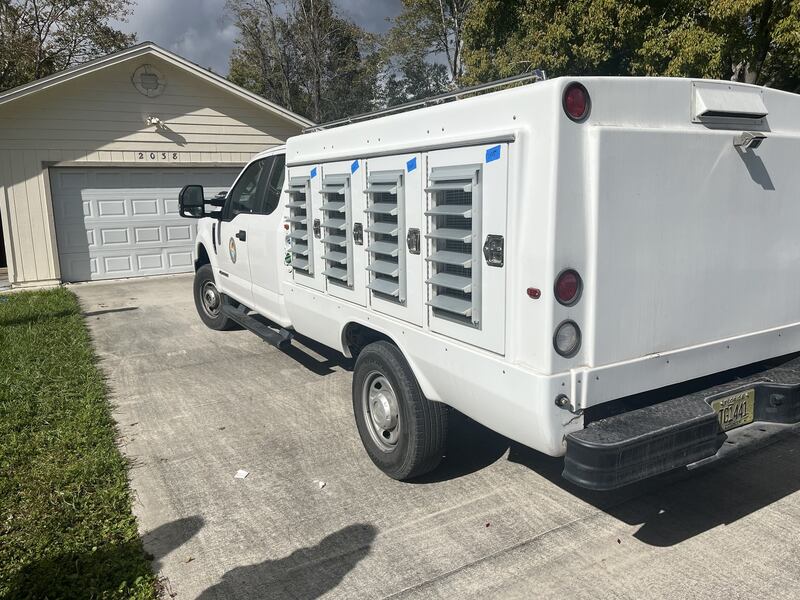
[(495, 521)]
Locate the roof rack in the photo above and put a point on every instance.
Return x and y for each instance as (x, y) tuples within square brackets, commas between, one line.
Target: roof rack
[(537, 75)]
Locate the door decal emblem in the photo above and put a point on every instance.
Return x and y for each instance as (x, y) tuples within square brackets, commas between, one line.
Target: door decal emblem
[(232, 250)]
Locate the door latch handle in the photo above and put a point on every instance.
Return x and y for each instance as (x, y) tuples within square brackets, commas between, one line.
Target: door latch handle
[(316, 228), (494, 250), (413, 241), (358, 234), (242, 235)]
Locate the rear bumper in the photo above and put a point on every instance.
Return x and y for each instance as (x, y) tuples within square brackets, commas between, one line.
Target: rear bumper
[(681, 432)]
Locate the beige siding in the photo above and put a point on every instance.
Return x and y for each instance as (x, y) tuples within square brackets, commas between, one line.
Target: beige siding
[(100, 118)]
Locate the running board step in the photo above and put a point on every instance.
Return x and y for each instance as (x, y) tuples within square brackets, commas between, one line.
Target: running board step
[(280, 338)]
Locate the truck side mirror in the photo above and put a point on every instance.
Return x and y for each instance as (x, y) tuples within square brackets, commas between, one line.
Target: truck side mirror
[(191, 202), (219, 199)]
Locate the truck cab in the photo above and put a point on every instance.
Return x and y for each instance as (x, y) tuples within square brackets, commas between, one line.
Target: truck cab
[(243, 240)]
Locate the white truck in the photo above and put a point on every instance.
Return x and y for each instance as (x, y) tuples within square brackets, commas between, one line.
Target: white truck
[(602, 268)]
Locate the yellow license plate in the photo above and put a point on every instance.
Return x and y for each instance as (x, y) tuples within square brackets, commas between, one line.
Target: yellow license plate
[(735, 410)]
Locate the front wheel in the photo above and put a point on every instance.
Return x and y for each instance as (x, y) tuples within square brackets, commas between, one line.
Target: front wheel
[(208, 300), (403, 432)]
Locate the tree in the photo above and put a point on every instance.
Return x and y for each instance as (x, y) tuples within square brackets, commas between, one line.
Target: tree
[(504, 38), (303, 55), (426, 27), (752, 41), (264, 58), (414, 79), (41, 37), (755, 41)]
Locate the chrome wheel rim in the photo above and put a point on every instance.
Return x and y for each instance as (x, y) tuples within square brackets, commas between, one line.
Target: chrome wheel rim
[(210, 299), (381, 411)]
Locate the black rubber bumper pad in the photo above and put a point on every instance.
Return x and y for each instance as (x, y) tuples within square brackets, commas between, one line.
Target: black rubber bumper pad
[(681, 432)]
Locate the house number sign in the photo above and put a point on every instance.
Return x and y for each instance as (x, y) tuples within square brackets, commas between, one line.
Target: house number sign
[(157, 156)]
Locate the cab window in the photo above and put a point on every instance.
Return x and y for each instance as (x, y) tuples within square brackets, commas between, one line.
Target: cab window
[(274, 184), (245, 195)]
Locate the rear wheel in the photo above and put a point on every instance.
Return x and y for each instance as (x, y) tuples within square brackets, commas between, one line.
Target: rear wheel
[(208, 300), (403, 432)]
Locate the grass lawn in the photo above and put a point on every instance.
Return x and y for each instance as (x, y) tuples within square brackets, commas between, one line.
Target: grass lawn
[(66, 527)]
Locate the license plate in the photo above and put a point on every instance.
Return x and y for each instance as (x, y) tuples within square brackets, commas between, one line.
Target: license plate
[(735, 410)]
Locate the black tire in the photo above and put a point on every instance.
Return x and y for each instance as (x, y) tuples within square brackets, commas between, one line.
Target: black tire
[(421, 429), (204, 284)]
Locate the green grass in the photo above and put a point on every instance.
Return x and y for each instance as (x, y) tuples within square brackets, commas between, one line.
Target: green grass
[(66, 527)]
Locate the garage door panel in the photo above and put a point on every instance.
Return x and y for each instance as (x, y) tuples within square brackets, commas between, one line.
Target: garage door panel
[(114, 236), (147, 235), (150, 262), (180, 260), (175, 180), (137, 263), (179, 233), (81, 266), (171, 206), (205, 179), (110, 208), (124, 222), (75, 180), (106, 180), (118, 266), (75, 240), (75, 209), (131, 237), (144, 207)]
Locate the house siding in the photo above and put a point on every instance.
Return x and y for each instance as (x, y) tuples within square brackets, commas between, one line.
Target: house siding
[(99, 119)]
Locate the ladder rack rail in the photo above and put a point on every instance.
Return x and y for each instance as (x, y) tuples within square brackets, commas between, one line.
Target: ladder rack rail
[(537, 75)]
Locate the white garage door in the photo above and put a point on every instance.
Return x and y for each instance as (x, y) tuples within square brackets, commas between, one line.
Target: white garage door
[(124, 222)]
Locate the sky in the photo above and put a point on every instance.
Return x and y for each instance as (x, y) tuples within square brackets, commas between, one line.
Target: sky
[(199, 30)]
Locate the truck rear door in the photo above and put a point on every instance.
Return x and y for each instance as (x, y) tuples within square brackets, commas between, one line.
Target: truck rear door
[(696, 236)]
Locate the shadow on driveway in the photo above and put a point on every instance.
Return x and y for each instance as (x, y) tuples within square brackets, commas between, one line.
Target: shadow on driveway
[(167, 537), (305, 573)]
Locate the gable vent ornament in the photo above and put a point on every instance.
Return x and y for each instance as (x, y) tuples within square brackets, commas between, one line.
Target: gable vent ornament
[(149, 81)]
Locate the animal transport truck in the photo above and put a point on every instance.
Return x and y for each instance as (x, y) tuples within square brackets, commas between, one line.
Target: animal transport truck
[(605, 269)]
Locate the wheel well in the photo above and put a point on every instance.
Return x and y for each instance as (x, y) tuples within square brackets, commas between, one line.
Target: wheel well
[(356, 337), (202, 257)]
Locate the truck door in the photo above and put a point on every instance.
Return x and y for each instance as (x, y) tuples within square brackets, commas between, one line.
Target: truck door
[(266, 240), (234, 226), (392, 232), (303, 216), (465, 250), (342, 239)]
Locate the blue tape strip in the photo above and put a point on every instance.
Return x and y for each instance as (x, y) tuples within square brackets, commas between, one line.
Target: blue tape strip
[(313, 172), (411, 164), (492, 153), (354, 166)]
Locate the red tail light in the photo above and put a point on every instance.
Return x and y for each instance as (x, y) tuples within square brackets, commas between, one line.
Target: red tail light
[(576, 101), (568, 287)]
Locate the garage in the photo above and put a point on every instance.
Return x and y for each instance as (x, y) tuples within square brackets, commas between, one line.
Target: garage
[(92, 160), (113, 223)]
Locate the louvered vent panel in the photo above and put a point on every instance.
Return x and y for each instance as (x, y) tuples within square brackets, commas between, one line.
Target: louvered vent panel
[(385, 227), (454, 252), (301, 248), (336, 230)]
